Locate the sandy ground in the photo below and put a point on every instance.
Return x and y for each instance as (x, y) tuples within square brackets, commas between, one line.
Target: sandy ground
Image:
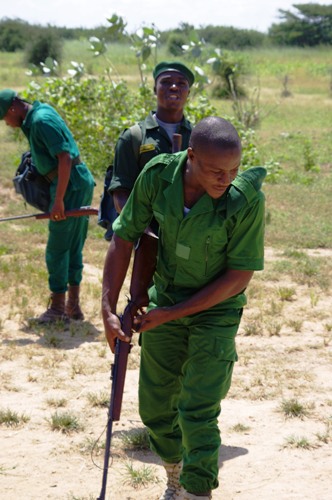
[(257, 460)]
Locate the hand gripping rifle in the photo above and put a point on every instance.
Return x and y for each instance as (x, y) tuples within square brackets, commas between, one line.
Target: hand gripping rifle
[(118, 375), (75, 212)]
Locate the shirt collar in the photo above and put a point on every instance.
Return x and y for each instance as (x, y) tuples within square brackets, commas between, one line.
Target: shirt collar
[(152, 123), (27, 120)]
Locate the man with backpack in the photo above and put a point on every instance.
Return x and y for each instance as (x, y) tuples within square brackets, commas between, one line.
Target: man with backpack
[(139, 144), (56, 157)]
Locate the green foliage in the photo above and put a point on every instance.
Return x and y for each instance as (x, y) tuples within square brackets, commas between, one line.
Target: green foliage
[(175, 42), (96, 110), (311, 25), (228, 37), (14, 34), (228, 68), (309, 157), (46, 45)]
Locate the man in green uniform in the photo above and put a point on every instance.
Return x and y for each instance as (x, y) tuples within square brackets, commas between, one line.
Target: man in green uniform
[(211, 232), (56, 156), (142, 142)]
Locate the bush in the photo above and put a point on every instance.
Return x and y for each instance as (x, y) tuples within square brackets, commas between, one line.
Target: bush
[(47, 44), (96, 111), (14, 35), (174, 44)]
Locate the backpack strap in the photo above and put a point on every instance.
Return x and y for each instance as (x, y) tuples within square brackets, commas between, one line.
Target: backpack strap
[(136, 138)]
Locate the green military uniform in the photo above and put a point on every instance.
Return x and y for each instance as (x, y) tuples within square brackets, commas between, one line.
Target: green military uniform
[(48, 135), (151, 141), (186, 365)]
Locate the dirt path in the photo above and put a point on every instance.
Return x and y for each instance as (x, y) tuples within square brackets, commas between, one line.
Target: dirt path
[(264, 455)]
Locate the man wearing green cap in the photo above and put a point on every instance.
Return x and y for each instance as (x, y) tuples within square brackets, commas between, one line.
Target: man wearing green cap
[(56, 156), (139, 144)]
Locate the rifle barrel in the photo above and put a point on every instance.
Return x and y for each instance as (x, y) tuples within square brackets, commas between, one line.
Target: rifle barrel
[(75, 212)]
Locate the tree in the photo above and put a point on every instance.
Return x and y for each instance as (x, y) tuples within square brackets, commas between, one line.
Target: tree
[(47, 44), (310, 26), (14, 34)]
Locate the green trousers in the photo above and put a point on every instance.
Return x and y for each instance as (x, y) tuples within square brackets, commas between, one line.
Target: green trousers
[(64, 258), (186, 370)]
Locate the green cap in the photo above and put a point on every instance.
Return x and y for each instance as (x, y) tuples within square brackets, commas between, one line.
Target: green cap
[(6, 98), (164, 66)]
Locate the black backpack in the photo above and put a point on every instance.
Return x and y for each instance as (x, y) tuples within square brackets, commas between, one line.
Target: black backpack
[(30, 184), (107, 213)]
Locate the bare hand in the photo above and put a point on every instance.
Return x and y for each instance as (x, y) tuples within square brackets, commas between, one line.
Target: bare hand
[(58, 211), (151, 319), (113, 330)]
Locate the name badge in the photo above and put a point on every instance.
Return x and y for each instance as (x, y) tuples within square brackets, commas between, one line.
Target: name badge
[(147, 147)]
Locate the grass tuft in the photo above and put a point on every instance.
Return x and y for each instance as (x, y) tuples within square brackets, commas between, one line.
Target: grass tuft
[(137, 439), (292, 408), (138, 477), (65, 422), (11, 418)]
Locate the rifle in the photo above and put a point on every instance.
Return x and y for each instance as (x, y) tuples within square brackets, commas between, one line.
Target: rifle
[(176, 143), (118, 375), (75, 212)]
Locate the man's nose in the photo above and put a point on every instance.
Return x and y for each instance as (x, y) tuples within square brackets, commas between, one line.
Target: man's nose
[(225, 178)]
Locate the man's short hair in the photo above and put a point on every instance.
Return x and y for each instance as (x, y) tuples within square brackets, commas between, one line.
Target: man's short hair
[(214, 131)]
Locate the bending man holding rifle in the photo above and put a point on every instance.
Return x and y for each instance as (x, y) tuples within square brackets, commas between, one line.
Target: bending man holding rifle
[(211, 231), (56, 156)]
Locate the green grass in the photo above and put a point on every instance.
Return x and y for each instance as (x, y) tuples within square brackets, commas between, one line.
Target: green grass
[(294, 131), (300, 442), (136, 439), (293, 408), (65, 422), (11, 418), (139, 477)]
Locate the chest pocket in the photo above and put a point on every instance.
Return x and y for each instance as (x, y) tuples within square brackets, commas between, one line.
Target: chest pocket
[(215, 249), (201, 248)]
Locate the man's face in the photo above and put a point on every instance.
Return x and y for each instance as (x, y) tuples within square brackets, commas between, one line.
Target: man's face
[(214, 170), (12, 117), (172, 90)]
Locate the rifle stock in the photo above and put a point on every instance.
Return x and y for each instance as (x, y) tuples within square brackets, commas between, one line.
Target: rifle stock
[(75, 212)]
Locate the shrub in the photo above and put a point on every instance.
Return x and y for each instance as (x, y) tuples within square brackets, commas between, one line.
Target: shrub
[(47, 44), (175, 42), (14, 34)]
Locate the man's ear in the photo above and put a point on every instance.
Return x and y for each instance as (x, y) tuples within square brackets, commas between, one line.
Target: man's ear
[(154, 89), (190, 153)]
